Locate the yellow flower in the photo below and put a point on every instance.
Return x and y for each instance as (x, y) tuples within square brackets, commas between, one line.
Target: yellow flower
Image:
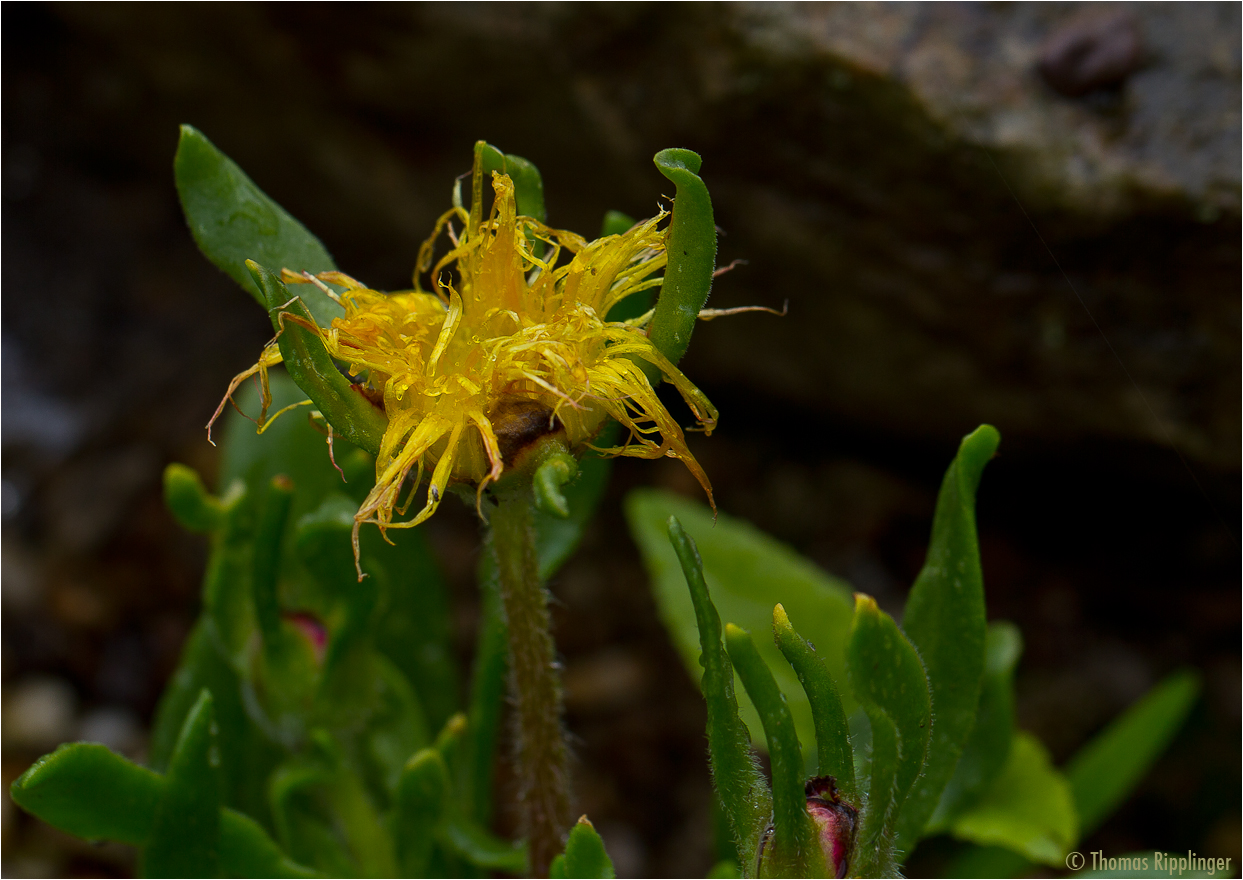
[(512, 345)]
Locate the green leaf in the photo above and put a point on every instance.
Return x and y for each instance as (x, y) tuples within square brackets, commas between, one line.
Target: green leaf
[(247, 755), (352, 416), (1029, 807), (747, 573), (584, 855), (1105, 771), (185, 833), (487, 695), (556, 470), (945, 620), (792, 849), (888, 680), (556, 538), (481, 848), (266, 561), (420, 802), (188, 499), (835, 757), (691, 246), (91, 792), (528, 184), (247, 851), (743, 790), (989, 745), (233, 221)]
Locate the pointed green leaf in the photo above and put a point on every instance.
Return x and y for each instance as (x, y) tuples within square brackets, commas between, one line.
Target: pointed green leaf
[(792, 850), (747, 573), (91, 792), (835, 757), (247, 755), (351, 415), (743, 791), (691, 246), (584, 855), (420, 802), (1105, 771), (233, 221), (185, 833), (1028, 808), (888, 680), (945, 620), (989, 744)]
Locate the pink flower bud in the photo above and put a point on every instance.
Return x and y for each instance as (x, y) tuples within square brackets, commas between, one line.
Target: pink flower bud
[(836, 822)]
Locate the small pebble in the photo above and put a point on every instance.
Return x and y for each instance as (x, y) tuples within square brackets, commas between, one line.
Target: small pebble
[(1094, 53), (39, 713)]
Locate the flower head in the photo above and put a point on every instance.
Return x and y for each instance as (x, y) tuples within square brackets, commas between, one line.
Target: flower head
[(512, 343)]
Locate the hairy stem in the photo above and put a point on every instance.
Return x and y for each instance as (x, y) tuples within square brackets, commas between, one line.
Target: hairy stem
[(542, 757)]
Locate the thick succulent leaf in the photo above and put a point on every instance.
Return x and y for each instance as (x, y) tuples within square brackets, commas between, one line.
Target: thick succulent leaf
[(351, 415), (834, 755), (195, 509), (420, 803), (233, 221), (744, 793), (945, 620), (481, 848), (247, 851), (185, 833), (1029, 807), (584, 855), (792, 849), (747, 573), (691, 247), (1105, 771), (91, 792), (888, 680), (247, 755), (989, 744)]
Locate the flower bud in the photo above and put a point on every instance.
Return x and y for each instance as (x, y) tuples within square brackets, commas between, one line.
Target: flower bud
[(836, 822)]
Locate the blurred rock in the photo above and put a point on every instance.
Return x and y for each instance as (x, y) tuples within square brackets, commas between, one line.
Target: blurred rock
[(39, 713), (116, 727), (894, 170)]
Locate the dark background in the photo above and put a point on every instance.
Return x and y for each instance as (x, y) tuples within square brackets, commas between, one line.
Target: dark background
[(894, 172)]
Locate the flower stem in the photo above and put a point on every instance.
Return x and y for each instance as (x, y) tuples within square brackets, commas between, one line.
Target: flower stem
[(542, 757)]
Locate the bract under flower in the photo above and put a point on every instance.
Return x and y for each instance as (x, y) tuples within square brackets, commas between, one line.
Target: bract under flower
[(513, 343)]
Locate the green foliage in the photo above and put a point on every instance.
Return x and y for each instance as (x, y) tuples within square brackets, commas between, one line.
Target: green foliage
[(944, 619), (1104, 772), (744, 795), (691, 247), (747, 573), (834, 753), (791, 849), (185, 834), (934, 742), (584, 855), (233, 221), (888, 680), (1028, 807)]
